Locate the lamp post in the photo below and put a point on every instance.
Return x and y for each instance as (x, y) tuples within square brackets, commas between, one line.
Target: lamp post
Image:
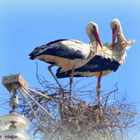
[(13, 126)]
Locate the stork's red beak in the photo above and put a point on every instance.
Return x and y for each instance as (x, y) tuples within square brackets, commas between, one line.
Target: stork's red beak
[(114, 36), (97, 37)]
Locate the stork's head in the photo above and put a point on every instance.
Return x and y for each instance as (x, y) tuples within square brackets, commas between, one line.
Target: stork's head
[(116, 29), (92, 32)]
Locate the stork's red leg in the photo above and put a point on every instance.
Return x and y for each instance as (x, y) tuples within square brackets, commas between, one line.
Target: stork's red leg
[(71, 81), (49, 68), (99, 86), (99, 80)]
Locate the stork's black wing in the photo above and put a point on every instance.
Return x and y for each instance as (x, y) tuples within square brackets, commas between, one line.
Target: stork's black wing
[(96, 64), (61, 48)]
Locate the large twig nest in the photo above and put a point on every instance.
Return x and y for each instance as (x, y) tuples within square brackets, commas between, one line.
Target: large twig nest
[(79, 118)]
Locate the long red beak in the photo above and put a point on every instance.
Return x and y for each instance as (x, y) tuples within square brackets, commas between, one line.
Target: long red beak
[(114, 36), (97, 37)]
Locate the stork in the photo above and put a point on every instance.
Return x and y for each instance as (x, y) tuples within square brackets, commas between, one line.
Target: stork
[(106, 60), (69, 54)]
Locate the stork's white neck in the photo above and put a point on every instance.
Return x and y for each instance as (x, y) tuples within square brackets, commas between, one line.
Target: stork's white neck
[(91, 37), (121, 37), (121, 46)]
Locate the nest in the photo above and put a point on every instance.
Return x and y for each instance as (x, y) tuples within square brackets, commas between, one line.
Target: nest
[(81, 118), (78, 119)]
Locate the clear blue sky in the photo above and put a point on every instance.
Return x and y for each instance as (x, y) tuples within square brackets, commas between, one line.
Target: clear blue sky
[(27, 24)]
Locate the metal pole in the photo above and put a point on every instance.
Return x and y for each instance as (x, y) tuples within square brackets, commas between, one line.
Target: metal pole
[(39, 105), (34, 113)]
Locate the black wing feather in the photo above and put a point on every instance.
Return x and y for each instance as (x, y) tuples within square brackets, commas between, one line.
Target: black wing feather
[(56, 48), (97, 64)]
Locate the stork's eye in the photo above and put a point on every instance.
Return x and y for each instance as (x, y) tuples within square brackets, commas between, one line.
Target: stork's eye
[(94, 27), (115, 26)]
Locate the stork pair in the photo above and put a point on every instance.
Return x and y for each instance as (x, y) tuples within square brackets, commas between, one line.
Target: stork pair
[(76, 58)]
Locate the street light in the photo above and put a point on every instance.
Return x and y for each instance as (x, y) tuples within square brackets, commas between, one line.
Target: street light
[(14, 126)]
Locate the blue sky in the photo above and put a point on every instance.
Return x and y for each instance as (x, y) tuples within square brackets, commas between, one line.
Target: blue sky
[(27, 24)]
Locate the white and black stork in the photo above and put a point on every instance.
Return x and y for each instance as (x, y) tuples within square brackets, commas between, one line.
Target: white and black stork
[(106, 60), (69, 54)]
